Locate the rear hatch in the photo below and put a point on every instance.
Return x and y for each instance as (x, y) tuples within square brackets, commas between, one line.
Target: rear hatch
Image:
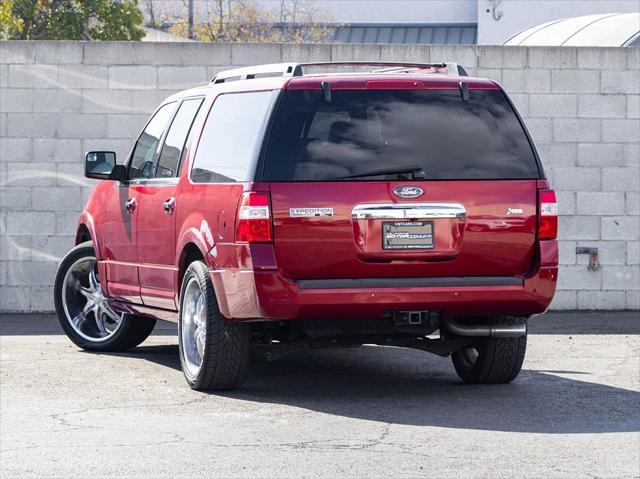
[(399, 179)]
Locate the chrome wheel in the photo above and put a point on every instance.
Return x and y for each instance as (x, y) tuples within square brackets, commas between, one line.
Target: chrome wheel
[(193, 327), (85, 305)]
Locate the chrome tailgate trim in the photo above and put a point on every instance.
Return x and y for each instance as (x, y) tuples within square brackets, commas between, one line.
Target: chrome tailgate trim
[(408, 211)]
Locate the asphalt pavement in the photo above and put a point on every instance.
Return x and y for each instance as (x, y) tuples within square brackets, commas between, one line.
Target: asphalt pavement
[(372, 411)]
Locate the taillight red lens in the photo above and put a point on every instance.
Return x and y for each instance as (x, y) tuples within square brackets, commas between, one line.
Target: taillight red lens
[(253, 224), (548, 225)]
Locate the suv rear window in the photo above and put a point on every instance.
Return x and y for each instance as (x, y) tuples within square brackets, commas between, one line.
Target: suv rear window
[(362, 131)]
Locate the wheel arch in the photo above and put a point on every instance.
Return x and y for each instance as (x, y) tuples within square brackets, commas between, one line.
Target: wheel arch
[(191, 244), (190, 253), (82, 234), (86, 231), (195, 244)]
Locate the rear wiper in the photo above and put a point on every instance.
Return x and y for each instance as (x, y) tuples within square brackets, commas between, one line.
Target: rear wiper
[(417, 172)]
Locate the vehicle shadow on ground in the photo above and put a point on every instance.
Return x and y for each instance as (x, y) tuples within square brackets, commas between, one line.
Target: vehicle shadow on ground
[(402, 386), (567, 322)]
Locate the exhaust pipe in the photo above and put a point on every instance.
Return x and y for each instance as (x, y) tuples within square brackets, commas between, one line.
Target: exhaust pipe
[(493, 330)]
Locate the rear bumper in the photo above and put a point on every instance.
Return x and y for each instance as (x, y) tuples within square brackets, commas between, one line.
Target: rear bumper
[(251, 295)]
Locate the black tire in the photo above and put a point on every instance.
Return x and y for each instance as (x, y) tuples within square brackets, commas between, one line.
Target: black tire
[(499, 360), (133, 329), (227, 345)]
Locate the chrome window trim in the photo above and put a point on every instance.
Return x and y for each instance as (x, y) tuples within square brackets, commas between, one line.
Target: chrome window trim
[(408, 211), (169, 181)]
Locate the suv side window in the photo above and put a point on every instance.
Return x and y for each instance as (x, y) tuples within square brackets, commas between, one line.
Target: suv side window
[(232, 137), (176, 137), (142, 160)]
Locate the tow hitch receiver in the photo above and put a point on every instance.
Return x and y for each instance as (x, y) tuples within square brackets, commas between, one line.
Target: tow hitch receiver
[(414, 318)]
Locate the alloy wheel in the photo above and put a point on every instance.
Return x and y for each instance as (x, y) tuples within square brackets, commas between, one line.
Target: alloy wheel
[(85, 305), (194, 327)]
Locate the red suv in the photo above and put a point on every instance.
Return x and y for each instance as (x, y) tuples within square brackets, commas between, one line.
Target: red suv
[(273, 210)]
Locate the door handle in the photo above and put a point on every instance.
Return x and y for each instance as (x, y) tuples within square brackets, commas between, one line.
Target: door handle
[(130, 205), (169, 205)]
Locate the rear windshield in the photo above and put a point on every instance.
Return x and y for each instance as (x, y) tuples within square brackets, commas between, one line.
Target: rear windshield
[(359, 132)]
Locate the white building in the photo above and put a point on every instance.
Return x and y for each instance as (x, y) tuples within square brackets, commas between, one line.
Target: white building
[(596, 30), (436, 21)]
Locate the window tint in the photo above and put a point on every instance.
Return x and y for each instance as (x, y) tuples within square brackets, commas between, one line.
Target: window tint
[(142, 161), (363, 131), (231, 138), (176, 138)]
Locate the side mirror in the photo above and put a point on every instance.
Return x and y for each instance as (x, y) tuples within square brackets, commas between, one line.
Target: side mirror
[(102, 165)]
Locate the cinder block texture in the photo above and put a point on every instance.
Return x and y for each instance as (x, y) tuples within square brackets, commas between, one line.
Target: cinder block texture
[(60, 99)]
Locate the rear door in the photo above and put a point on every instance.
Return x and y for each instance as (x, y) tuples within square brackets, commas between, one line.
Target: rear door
[(157, 213), (405, 182)]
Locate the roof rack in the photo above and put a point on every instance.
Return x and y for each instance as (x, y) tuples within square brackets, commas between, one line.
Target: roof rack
[(295, 69)]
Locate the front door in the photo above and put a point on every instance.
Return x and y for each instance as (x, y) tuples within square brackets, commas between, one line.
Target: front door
[(117, 224), (157, 214)]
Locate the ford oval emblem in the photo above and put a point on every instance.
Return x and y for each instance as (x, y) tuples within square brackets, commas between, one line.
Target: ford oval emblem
[(408, 191)]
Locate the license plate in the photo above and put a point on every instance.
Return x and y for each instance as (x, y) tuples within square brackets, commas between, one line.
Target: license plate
[(407, 234)]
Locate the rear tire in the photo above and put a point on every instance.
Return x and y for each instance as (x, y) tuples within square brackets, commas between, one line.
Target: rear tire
[(214, 353), (76, 285), (492, 360)]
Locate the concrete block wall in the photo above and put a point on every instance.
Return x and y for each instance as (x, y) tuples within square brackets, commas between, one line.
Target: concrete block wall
[(59, 99)]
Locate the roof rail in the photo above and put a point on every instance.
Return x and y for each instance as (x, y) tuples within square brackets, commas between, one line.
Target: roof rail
[(259, 71), (295, 69)]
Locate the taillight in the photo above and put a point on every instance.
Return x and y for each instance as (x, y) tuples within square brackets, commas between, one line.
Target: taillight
[(548, 207), (253, 224)]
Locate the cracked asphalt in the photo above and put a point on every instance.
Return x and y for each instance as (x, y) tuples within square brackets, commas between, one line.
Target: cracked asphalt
[(573, 412)]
